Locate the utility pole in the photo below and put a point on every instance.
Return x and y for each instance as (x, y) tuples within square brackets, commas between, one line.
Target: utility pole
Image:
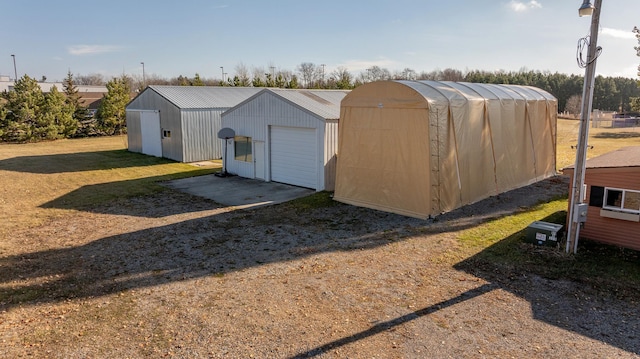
[(577, 207)]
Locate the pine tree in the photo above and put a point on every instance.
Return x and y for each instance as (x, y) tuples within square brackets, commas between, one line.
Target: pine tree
[(73, 98), (111, 112), (57, 119), (197, 81), (24, 109)]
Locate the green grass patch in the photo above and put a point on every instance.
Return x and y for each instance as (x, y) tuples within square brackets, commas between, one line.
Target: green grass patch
[(314, 201), (499, 246), (76, 174)]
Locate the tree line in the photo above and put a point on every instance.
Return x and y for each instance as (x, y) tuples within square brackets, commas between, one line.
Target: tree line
[(27, 114), (610, 93)]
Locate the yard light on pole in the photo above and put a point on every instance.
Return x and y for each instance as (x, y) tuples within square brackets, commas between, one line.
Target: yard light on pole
[(577, 207), (15, 72), (144, 79), (222, 71), (586, 9)]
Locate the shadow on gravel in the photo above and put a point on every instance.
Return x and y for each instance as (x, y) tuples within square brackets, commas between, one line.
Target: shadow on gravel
[(390, 324), (236, 240), (222, 243), (584, 303), (79, 162)]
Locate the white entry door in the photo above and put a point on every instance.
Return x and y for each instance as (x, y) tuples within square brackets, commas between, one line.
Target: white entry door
[(293, 154), (151, 134), (258, 159)]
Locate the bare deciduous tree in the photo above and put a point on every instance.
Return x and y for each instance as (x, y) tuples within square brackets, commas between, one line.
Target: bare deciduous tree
[(573, 105), (309, 73), (91, 80)]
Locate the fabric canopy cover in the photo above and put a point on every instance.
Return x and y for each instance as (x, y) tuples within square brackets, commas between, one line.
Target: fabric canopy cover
[(421, 148)]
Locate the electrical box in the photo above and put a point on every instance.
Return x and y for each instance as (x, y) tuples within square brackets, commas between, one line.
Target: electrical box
[(543, 233), (580, 212)]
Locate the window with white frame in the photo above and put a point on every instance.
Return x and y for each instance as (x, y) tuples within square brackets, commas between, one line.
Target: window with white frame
[(242, 148), (623, 200)]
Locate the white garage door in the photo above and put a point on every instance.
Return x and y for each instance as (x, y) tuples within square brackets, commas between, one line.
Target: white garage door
[(293, 156)]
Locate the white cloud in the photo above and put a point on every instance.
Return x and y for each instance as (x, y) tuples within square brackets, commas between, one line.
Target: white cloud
[(92, 49), (620, 34), (521, 6)]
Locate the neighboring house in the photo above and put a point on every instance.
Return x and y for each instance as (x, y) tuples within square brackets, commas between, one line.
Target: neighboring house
[(90, 96), (181, 122), (421, 148), (287, 136), (613, 193)]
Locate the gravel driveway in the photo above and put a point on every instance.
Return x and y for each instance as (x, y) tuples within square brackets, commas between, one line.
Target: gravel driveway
[(180, 276)]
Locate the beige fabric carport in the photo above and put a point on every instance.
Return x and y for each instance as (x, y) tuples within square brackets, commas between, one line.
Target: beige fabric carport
[(421, 148)]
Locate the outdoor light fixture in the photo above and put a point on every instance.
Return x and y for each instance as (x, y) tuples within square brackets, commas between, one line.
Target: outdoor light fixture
[(586, 9), (15, 72), (577, 207), (144, 79)]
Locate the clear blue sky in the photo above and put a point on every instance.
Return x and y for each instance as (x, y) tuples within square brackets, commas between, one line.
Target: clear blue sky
[(184, 37)]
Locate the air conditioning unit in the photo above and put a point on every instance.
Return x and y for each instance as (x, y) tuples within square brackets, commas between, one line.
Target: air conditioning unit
[(543, 233)]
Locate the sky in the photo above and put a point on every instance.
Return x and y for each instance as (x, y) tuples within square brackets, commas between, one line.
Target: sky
[(50, 38)]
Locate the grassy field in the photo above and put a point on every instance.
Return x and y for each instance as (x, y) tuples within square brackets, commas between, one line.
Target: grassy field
[(601, 141), (46, 179)]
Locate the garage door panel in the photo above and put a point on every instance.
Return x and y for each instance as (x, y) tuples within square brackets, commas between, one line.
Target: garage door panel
[(293, 156)]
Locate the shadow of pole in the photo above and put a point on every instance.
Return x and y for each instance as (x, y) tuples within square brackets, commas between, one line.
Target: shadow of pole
[(384, 326)]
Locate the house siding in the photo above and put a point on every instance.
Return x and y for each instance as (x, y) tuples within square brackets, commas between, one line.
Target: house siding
[(610, 230)]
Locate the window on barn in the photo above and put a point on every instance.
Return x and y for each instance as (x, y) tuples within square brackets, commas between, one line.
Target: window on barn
[(242, 147), (623, 200), (166, 133)]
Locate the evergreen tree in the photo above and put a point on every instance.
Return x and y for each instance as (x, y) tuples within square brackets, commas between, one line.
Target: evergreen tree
[(24, 109), (111, 112), (293, 83), (197, 81), (73, 98), (57, 119)]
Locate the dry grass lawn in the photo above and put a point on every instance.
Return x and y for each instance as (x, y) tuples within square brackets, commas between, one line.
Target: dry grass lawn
[(99, 261)]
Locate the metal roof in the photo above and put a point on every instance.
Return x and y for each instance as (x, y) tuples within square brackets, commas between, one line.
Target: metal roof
[(323, 103), (204, 97)]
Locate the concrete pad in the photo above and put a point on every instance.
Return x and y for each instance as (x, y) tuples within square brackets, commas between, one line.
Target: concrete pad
[(238, 191)]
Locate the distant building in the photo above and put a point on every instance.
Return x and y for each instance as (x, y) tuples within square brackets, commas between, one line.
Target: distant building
[(90, 96)]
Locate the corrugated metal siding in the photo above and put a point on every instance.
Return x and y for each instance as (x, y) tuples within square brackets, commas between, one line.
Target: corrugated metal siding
[(169, 120), (609, 230), (192, 114), (330, 154), (200, 135), (253, 119), (134, 131)]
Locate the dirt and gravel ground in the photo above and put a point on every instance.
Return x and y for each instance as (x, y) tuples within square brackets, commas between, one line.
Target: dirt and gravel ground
[(172, 275)]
